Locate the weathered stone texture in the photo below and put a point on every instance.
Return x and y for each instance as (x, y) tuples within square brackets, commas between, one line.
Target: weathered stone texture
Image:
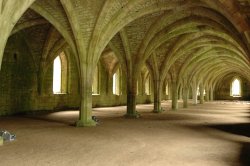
[(190, 43)]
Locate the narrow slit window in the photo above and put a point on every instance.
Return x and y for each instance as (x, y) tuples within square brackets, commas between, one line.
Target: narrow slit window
[(198, 91), (166, 89), (116, 83), (57, 75)]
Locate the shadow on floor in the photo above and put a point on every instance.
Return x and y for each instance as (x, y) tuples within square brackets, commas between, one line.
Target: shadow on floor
[(51, 120), (244, 158), (242, 129)]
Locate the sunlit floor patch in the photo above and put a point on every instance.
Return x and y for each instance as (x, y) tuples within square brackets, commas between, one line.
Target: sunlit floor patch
[(209, 134)]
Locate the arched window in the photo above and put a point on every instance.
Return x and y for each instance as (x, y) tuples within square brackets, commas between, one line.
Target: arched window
[(166, 89), (198, 91), (95, 84), (148, 86), (60, 70), (116, 83), (236, 88), (57, 75)]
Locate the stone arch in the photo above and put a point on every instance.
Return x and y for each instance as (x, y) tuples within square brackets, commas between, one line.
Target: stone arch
[(12, 11), (64, 81)]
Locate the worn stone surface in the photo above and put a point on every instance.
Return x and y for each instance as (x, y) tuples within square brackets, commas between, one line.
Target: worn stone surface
[(216, 133), (188, 43)]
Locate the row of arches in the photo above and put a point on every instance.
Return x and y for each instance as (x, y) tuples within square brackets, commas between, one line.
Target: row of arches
[(60, 79)]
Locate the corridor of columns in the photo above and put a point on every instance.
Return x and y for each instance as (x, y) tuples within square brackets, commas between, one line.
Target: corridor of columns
[(133, 62), (215, 133)]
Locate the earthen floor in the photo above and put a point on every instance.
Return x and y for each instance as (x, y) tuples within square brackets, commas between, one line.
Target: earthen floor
[(213, 134)]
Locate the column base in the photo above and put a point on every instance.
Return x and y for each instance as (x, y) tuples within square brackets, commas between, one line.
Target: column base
[(1, 141), (158, 111), (185, 106), (135, 115), (81, 123), (174, 109)]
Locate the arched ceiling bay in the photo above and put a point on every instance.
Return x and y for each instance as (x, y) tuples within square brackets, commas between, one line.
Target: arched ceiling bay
[(194, 36)]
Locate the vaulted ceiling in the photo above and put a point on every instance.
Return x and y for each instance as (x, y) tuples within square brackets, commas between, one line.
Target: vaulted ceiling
[(186, 39)]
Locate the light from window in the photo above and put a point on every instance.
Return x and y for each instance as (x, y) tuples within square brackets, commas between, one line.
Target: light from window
[(198, 92), (236, 88), (167, 89), (116, 83), (147, 86), (57, 68)]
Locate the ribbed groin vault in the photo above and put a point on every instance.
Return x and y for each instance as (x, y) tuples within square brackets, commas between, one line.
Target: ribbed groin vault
[(185, 47)]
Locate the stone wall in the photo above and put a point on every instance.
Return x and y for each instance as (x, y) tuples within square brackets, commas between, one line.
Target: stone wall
[(19, 84), (222, 91)]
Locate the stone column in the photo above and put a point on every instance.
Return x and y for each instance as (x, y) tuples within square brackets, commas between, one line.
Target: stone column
[(124, 83), (180, 93), (85, 116), (174, 96), (207, 95), (157, 96), (201, 88), (131, 97), (211, 92), (194, 95), (185, 96), (4, 38)]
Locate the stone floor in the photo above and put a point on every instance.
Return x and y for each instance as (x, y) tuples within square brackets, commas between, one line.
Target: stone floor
[(213, 134)]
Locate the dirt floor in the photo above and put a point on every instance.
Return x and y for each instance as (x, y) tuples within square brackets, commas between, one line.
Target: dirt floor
[(213, 134)]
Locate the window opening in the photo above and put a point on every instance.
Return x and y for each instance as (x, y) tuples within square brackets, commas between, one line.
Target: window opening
[(235, 91), (116, 83), (57, 75)]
